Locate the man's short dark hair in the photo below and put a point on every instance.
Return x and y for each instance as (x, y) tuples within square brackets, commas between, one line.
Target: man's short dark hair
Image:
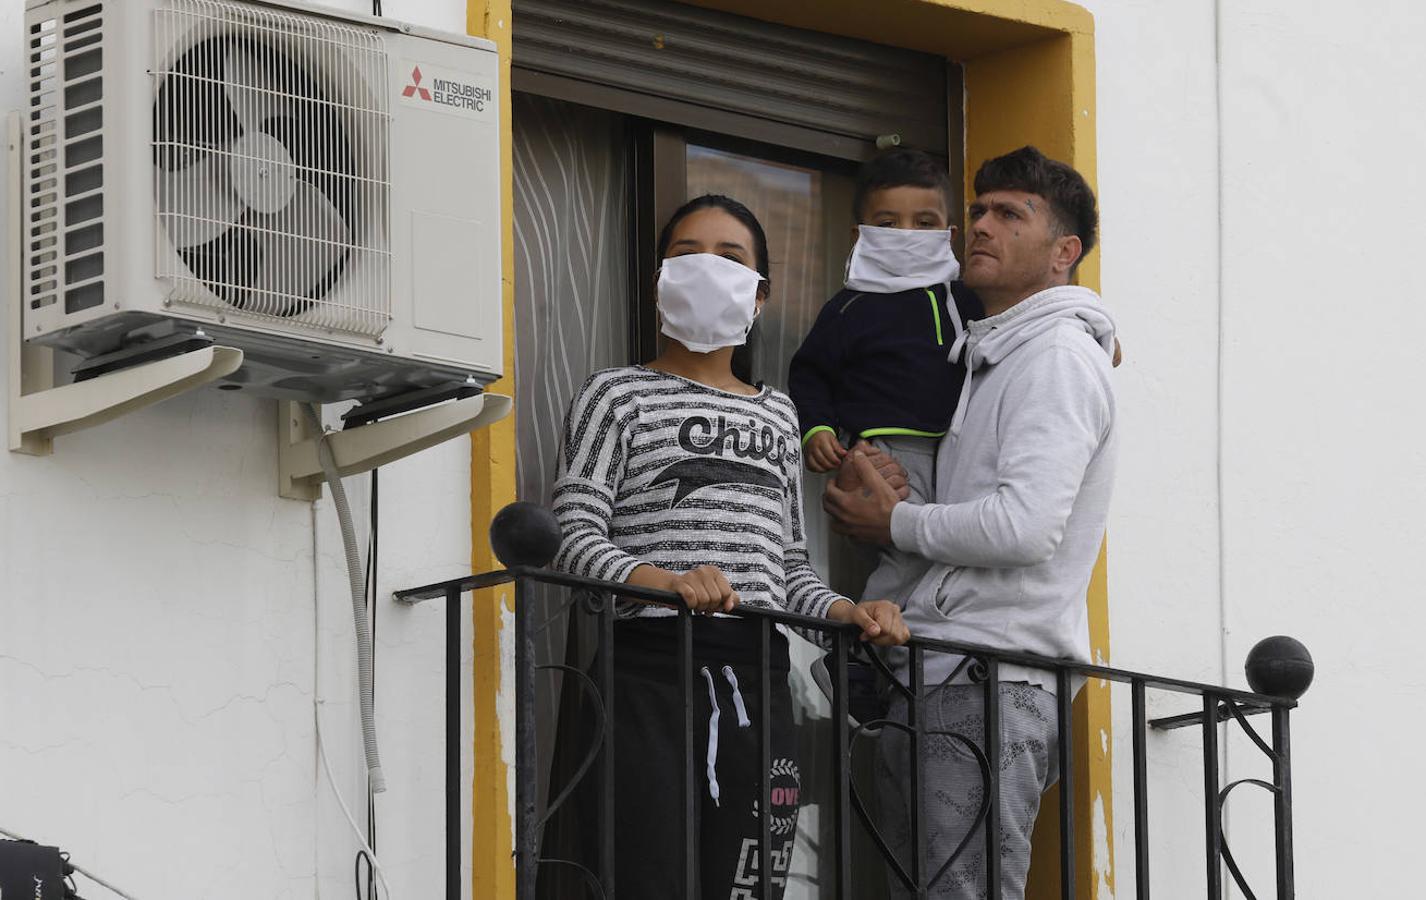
[(902, 167), (1071, 201)]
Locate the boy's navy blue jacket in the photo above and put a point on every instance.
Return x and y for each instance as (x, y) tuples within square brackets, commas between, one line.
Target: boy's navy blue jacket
[(875, 364)]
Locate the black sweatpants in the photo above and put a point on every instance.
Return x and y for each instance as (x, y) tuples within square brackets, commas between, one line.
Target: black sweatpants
[(649, 761)]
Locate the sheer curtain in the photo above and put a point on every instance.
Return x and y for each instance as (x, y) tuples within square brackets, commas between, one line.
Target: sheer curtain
[(571, 303)]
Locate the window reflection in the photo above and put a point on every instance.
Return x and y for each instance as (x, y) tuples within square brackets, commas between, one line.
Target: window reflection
[(789, 201)]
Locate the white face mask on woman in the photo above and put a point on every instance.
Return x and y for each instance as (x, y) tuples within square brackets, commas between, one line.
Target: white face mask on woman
[(888, 260), (707, 302)]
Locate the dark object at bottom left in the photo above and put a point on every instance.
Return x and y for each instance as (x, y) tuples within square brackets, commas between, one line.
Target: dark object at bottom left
[(33, 872)]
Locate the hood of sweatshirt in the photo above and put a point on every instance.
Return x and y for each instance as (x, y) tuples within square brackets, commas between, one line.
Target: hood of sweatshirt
[(986, 342)]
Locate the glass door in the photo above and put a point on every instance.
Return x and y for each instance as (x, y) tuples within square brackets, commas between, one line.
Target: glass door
[(696, 111), (593, 188)]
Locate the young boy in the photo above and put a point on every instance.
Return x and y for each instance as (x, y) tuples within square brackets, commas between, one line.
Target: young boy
[(877, 364)]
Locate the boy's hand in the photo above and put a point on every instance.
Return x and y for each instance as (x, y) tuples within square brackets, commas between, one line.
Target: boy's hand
[(824, 452), (704, 589), (879, 620)]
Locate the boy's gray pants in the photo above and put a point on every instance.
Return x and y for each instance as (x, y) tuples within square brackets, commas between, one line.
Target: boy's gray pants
[(897, 573), (952, 789)]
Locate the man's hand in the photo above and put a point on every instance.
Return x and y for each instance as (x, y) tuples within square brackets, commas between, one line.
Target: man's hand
[(863, 513), (704, 589), (823, 452), (890, 469), (879, 620), (1118, 353)]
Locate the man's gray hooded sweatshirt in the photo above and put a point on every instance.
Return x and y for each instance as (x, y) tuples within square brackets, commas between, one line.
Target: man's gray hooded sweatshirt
[(1022, 487)]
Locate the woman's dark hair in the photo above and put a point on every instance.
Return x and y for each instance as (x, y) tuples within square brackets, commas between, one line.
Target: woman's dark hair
[(742, 362), (732, 208)]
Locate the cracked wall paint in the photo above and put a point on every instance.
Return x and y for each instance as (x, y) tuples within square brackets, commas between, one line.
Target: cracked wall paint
[(1103, 857)]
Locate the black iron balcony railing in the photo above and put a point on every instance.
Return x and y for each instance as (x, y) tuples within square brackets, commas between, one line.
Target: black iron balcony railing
[(1279, 670)]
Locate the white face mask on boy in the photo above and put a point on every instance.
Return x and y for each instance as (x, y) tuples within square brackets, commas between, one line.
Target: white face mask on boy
[(888, 260), (706, 301)]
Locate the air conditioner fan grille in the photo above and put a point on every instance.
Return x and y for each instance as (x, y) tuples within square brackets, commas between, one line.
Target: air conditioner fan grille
[(270, 160)]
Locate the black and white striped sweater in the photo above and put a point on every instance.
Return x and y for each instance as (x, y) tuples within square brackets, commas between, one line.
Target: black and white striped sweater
[(662, 470)]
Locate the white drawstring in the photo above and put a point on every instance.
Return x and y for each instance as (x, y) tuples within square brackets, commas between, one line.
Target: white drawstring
[(957, 345), (955, 314), (962, 347), (712, 738), (743, 720)]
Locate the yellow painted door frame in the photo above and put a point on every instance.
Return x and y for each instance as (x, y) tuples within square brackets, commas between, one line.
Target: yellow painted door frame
[(492, 485), (1029, 79)]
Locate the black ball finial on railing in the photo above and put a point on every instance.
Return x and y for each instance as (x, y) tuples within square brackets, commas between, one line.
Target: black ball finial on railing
[(525, 534), (1279, 666)]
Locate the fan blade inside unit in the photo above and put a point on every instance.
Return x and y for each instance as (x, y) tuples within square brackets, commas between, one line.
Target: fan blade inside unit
[(255, 95), (304, 249), (196, 203)]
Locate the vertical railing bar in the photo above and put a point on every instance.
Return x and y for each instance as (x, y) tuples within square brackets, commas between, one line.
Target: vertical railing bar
[(842, 835), (1213, 838), (526, 821), (765, 754), (1282, 803), (453, 742), (1065, 727), (915, 713), (992, 753), (689, 803), (607, 798), (1141, 790)]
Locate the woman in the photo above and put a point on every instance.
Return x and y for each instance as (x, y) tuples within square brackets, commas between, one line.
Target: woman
[(680, 476)]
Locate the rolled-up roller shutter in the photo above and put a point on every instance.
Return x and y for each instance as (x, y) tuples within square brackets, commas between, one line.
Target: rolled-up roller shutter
[(730, 74)]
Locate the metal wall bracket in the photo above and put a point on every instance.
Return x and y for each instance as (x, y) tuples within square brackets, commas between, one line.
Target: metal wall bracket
[(37, 410), (36, 418), (364, 448)]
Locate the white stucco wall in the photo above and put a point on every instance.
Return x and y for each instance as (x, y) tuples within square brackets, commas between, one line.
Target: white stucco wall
[(1157, 180), (159, 648), (1321, 462)]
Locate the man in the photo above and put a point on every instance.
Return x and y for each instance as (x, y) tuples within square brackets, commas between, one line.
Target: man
[(1021, 497)]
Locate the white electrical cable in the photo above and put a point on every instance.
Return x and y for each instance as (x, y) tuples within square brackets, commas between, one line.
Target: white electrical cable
[(85, 872), (346, 811), (317, 711), (356, 576)]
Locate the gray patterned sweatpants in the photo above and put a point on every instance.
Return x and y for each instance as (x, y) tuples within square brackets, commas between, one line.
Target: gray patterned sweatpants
[(953, 790)]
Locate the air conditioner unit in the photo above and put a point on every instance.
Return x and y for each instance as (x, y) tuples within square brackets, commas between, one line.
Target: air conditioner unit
[(319, 190)]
